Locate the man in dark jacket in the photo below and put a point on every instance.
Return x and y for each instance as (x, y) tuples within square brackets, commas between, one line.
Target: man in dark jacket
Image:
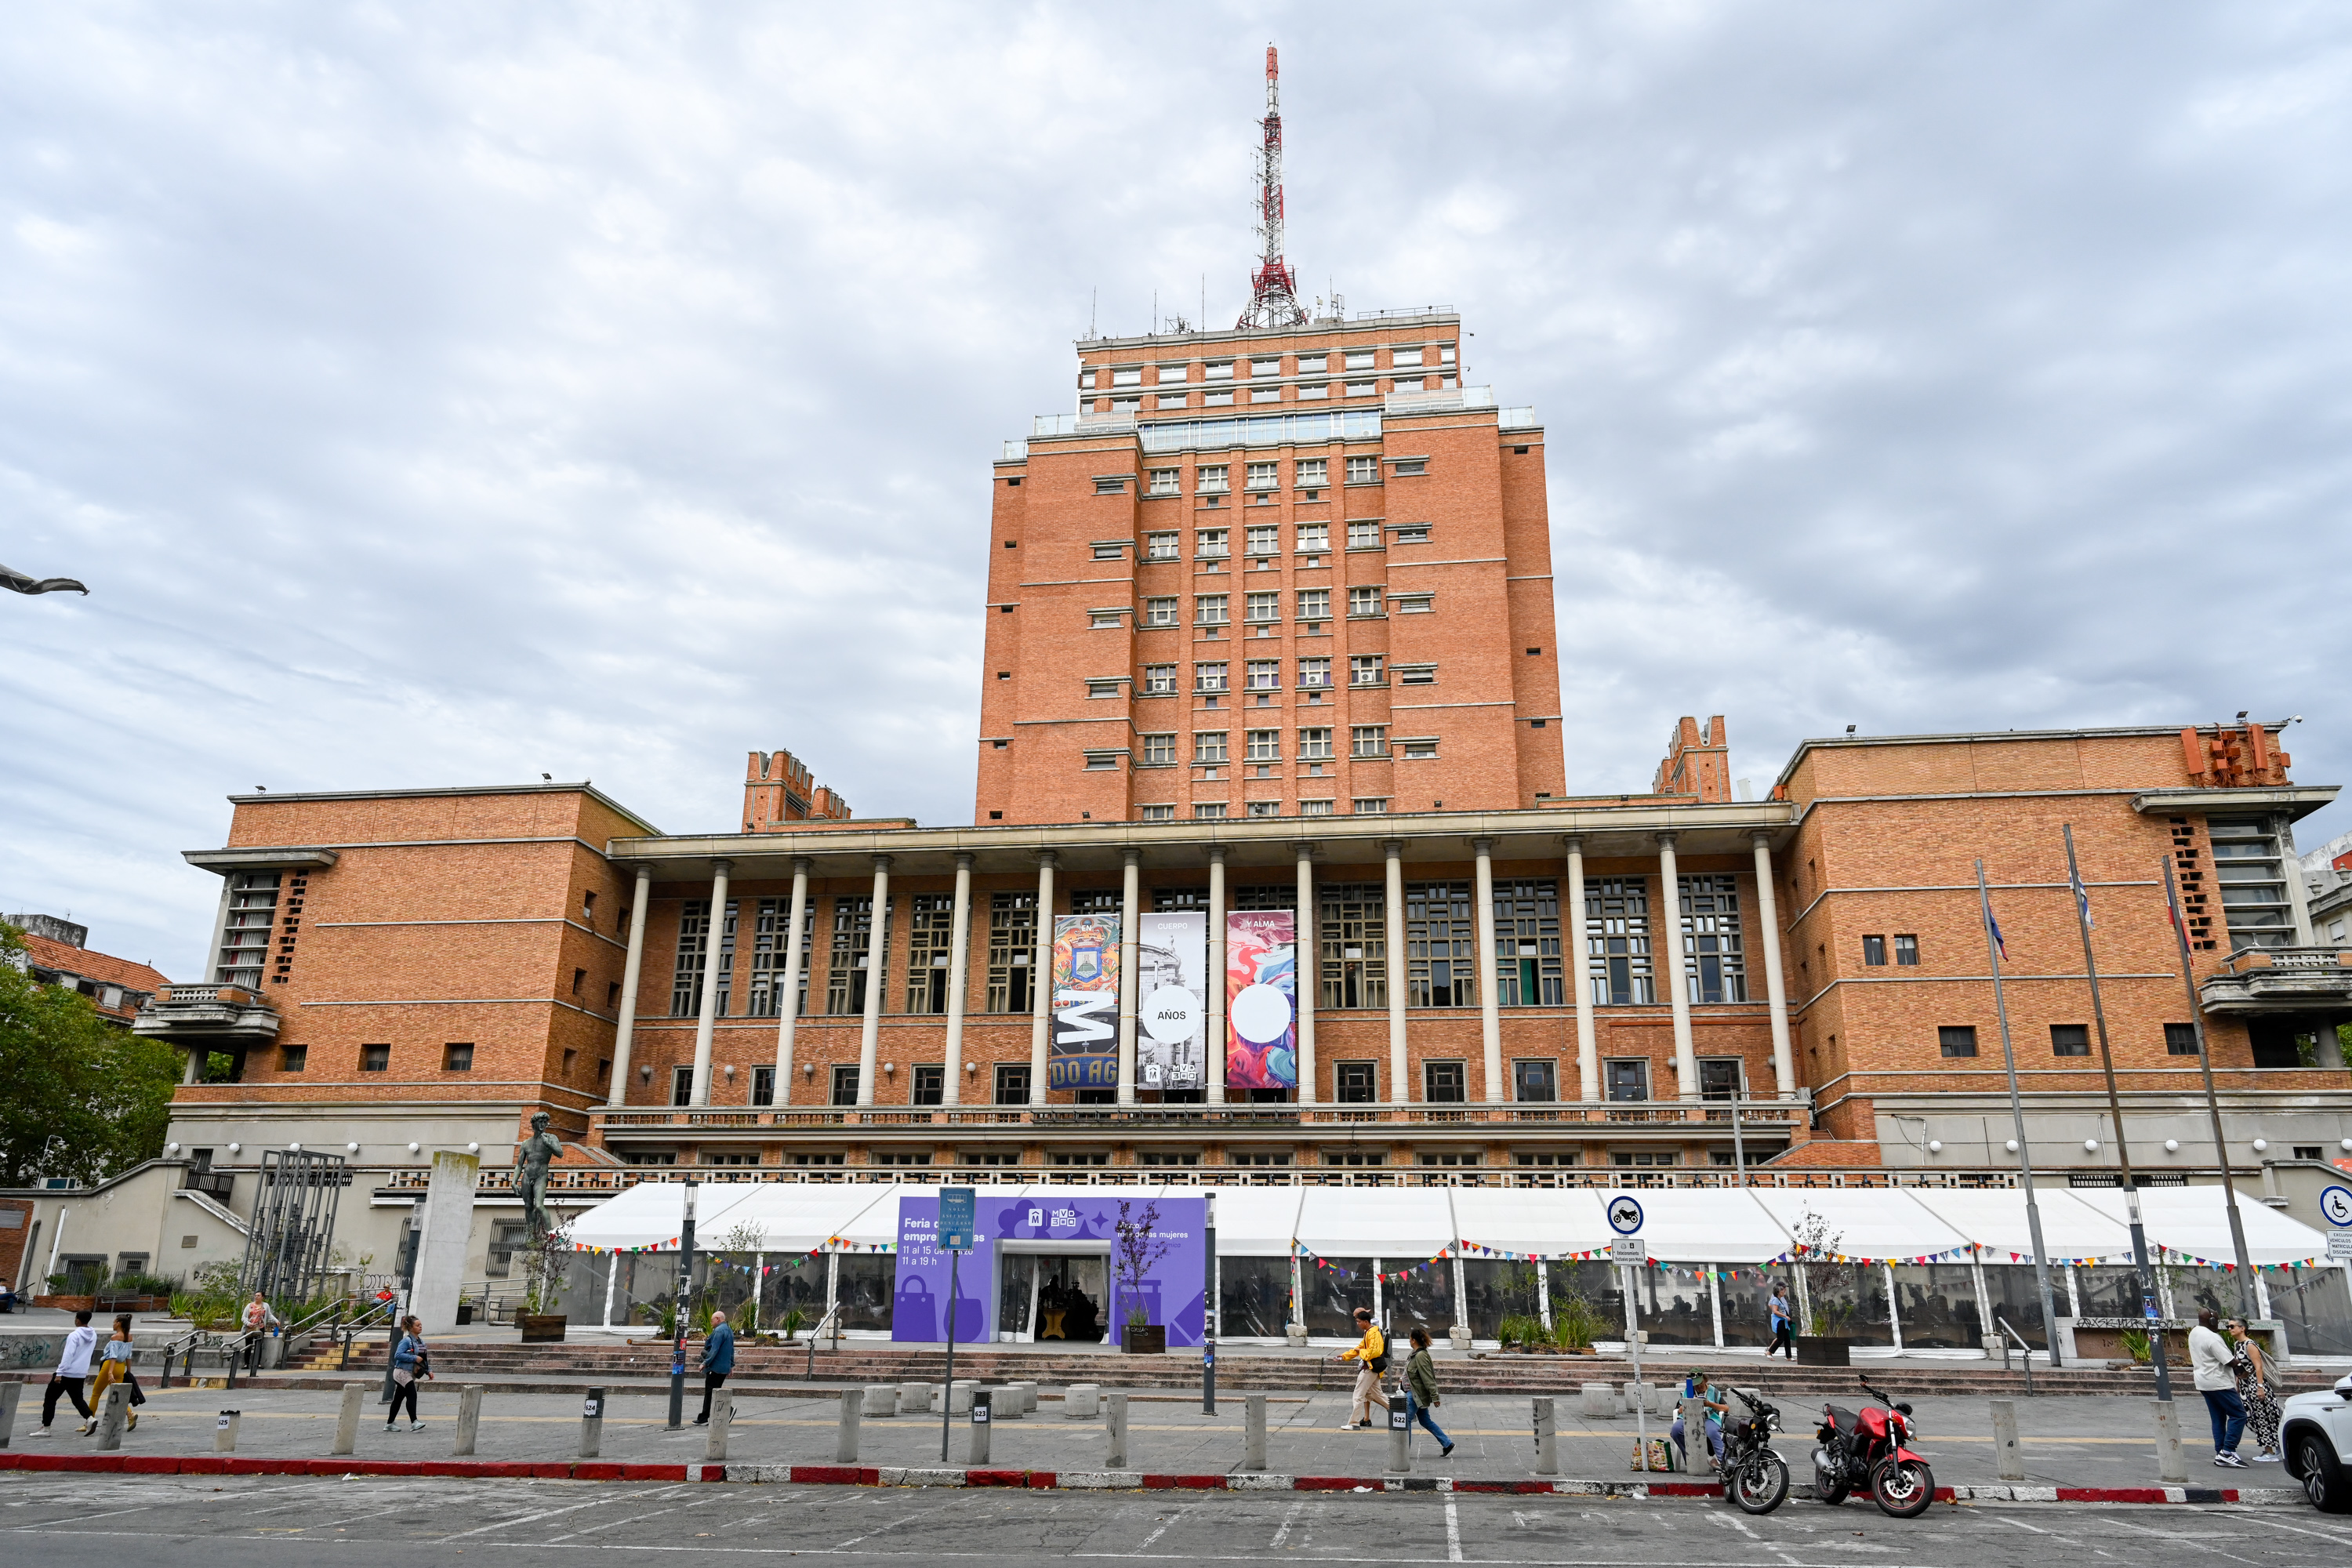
[(717, 1361)]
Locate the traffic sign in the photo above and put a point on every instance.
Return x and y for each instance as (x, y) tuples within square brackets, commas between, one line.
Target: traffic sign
[(1629, 1249), (2339, 1246), (956, 1219), (1624, 1214), (2335, 1204)]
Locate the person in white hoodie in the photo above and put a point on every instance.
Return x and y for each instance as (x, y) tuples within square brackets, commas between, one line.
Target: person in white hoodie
[(2216, 1371), (73, 1371)]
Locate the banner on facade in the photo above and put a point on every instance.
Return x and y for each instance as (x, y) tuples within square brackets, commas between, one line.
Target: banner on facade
[(1262, 999), (1084, 1051), (1172, 1001)]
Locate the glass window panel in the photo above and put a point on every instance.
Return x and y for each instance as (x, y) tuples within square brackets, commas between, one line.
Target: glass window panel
[(2107, 1289), (2317, 1308), (867, 1284), (1849, 1298), (1333, 1294), (1601, 1289), (2015, 1301), (1253, 1297), (1499, 1290), (1938, 1302), (1441, 946), (1746, 1297), (1673, 1308), (1617, 941), (1423, 1300), (1527, 944)]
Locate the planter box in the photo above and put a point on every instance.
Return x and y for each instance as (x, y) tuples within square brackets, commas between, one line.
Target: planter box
[(1144, 1339), (540, 1328), (1824, 1350), (68, 1303), (465, 1313)]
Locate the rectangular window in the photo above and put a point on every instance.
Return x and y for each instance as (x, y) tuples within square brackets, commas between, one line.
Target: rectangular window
[(1313, 389), (681, 1086), (1160, 546), (1363, 536), (1159, 612), (1102, 762), (1265, 607), (1366, 669), (245, 935), (1262, 476), (2181, 1040), (1159, 680), (1412, 466), (1211, 479), (693, 947), (930, 941), (1171, 400), (1440, 945), (1266, 541), (1424, 749), (1367, 741), (2070, 1039), (2252, 873), (1714, 966), (1370, 806), (1265, 808), (1172, 373), (1314, 538), (1617, 941), (1416, 675), (1315, 673), (1535, 1082), (1413, 533), (1874, 951), (1364, 388), (1957, 1039), (1265, 745), (1528, 954), (845, 1085), (1414, 604), (1012, 950), (1404, 359), (1106, 620), (763, 1086), (1315, 603), (1218, 369), (1209, 746), (1906, 952), (1132, 375), (375, 1059), (1313, 472), (1359, 359), (1209, 609), (1209, 543), (1315, 807), (1314, 746), (1363, 601), (1157, 813), (1357, 1083), (853, 939), (1101, 689), (458, 1057), (1087, 381), (771, 947), (293, 1058), (1263, 675), (1111, 484), (1363, 470), (1209, 811), (1217, 398), (1444, 1083), (931, 1081), (1626, 1078), (1267, 366), (1012, 1083), (1209, 677), (1159, 751)]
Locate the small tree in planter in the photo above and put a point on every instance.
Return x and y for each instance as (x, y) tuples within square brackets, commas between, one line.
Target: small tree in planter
[(1139, 1246), (1828, 1316), (748, 1238)]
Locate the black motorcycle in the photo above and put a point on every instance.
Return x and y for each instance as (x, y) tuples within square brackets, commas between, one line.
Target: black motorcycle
[(1754, 1477), (1866, 1449)]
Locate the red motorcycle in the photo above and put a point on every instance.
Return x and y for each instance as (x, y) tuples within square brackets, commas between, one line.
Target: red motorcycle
[(1866, 1449)]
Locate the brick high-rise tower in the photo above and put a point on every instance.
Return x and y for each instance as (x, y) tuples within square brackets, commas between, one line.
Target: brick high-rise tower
[(1295, 572)]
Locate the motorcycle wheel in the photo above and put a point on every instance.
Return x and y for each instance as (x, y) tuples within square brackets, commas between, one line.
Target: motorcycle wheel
[(1902, 1488), (1760, 1484), (1829, 1488)]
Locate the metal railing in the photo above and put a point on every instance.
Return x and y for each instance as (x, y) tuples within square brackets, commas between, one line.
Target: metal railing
[(1766, 1115)]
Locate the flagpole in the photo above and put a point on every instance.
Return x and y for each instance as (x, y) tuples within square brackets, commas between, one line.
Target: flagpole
[(2017, 1114), (2212, 1100), (2147, 1272)]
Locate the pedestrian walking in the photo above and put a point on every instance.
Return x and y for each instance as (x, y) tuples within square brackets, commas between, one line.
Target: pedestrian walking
[(2258, 1390), (1784, 1322), (73, 1371), (1714, 1404), (1421, 1390), (717, 1361), (410, 1363), (260, 1318), (2216, 1373), (114, 1367), (1370, 1355)]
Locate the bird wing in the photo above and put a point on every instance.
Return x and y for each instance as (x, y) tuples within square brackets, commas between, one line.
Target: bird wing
[(18, 581)]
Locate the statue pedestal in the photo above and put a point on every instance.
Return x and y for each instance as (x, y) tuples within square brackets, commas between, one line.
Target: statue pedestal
[(447, 1227)]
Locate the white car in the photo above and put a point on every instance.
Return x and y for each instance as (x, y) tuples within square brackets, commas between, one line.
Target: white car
[(2315, 1431)]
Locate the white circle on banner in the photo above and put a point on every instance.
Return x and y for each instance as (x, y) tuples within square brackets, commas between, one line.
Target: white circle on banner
[(1261, 1013), (1171, 1015)]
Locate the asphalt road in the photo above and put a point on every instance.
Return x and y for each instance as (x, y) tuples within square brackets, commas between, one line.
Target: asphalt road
[(60, 1521)]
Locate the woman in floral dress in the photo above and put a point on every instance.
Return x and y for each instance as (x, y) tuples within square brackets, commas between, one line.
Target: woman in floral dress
[(2258, 1386)]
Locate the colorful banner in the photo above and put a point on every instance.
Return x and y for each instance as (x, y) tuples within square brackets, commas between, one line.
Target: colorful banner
[(1171, 1010), (1262, 999), (1084, 1053)]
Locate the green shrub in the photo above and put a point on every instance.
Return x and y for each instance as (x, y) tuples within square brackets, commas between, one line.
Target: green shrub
[(1573, 1322)]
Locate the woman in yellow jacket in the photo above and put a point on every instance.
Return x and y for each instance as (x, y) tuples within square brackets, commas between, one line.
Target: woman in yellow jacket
[(1370, 1355)]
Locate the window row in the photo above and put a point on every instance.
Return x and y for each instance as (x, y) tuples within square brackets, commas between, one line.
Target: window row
[(1260, 609), (1265, 675), (1131, 404), (2067, 1041), (1259, 366), (1218, 810), (1213, 747)]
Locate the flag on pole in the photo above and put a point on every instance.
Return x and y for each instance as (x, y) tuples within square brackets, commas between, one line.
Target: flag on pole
[(2081, 895), (1993, 926)]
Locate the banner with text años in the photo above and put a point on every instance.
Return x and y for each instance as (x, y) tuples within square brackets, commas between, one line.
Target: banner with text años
[(1171, 1010), (1261, 999), (1084, 1050)]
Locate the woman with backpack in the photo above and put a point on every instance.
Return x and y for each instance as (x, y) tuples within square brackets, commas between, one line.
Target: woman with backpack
[(1370, 1355), (409, 1362), (1421, 1390)]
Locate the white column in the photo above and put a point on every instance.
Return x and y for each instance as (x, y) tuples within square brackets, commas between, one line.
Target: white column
[(1775, 995), (1216, 975), (1040, 978), (788, 1005), (711, 974), (1677, 989), (877, 955), (624, 1032), (1392, 947), (1580, 978), (1490, 1011), (1306, 974), (959, 977), (1131, 862)]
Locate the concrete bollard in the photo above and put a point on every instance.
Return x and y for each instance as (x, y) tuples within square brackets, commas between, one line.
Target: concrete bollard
[(347, 1419), (1082, 1402), (882, 1402), (224, 1431), (1601, 1402), (1399, 1434), (591, 1423), (113, 1411), (982, 1409), (959, 1397), (1114, 1424), (2008, 1459), (1254, 1432), (1629, 1398), (1697, 1454), (10, 1394), (853, 1408), (914, 1398), (1546, 1425), (722, 1417), (469, 1422), (1026, 1400), (2170, 1463)]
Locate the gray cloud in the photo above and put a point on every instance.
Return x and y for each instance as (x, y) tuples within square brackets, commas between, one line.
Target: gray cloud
[(433, 396)]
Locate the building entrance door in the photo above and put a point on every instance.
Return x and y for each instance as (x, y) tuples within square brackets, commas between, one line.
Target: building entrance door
[(1052, 1297)]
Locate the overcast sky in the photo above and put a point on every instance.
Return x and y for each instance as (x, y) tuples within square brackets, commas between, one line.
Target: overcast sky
[(438, 394)]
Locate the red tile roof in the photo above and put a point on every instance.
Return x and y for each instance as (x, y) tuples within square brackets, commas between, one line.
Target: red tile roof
[(106, 970)]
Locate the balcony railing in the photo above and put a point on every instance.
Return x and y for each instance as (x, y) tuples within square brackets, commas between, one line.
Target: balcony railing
[(2256, 980), (1439, 401), (192, 1013), (1711, 1118)]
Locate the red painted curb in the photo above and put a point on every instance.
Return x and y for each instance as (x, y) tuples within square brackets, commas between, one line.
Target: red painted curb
[(1685, 1489), (1502, 1486), (1184, 1483), (653, 1472), (1044, 1480), (996, 1479), (836, 1475), (2110, 1494), (597, 1470), (204, 1465), (1325, 1483)]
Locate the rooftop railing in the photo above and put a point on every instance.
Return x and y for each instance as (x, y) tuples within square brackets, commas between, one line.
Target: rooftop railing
[(1712, 1117)]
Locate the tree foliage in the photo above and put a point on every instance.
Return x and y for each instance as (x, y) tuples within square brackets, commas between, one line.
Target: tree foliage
[(79, 1095)]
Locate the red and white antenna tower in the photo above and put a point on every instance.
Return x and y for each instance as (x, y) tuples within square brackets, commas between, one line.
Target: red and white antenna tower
[(1273, 293)]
